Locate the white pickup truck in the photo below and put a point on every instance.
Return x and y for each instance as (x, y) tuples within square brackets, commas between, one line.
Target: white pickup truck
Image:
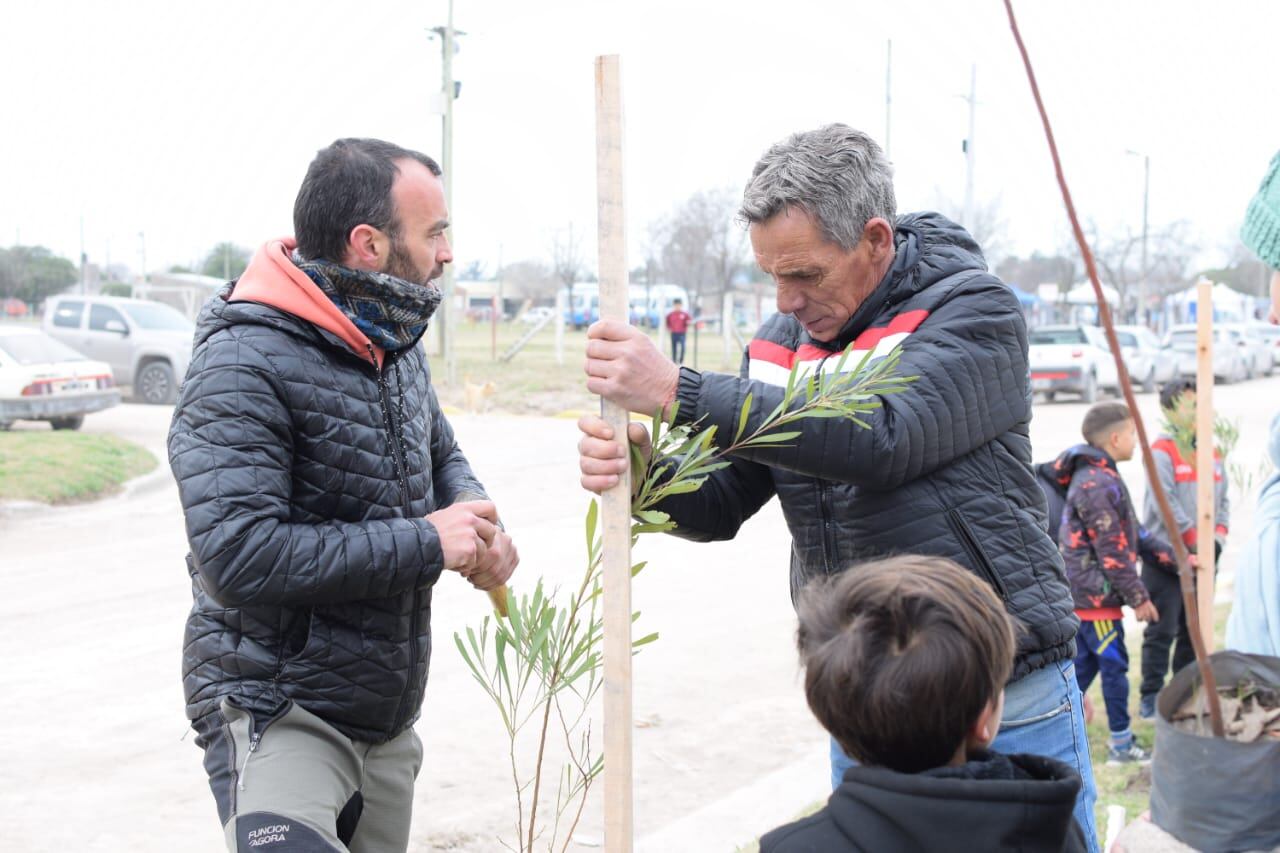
[(1074, 359)]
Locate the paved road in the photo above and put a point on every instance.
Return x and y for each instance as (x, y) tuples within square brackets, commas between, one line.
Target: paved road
[(91, 722)]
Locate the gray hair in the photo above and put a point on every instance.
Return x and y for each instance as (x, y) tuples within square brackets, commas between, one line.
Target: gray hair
[(836, 174)]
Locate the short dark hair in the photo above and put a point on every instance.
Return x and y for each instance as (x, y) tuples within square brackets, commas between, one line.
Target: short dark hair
[(1172, 390), (349, 184), (901, 655), (1102, 418)]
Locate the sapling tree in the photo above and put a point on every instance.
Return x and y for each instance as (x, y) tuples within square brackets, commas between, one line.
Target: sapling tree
[(541, 665)]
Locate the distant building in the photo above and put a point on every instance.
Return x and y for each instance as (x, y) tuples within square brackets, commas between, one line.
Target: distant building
[(186, 291)]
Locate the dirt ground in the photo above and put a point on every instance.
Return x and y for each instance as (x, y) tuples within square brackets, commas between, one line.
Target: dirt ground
[(91, 720)]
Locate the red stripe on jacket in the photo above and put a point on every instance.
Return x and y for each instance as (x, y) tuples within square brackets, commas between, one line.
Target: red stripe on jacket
[(763, 350)]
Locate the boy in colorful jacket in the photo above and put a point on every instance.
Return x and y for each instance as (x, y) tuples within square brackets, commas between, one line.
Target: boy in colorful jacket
[(1100, 541), (1179, 478)]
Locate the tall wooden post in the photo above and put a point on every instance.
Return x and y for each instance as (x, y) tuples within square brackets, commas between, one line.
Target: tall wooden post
[(1205, 509), (616, 502)]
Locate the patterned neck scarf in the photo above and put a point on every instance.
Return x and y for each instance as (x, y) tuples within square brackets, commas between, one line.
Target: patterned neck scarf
[(392, 312)]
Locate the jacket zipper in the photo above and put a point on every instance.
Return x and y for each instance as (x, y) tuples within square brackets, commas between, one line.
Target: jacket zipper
[(824, 515), (399, 457), (976, 554), (824, 496)]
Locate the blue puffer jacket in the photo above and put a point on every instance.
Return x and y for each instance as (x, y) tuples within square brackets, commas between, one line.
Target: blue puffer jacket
[(945, 467)]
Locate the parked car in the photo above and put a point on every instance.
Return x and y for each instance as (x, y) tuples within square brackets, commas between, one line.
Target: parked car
[(42, 379), (1270, 334), (147, 344), (1148, 364), (1074, 359), (1258, 350), (1228, 352)]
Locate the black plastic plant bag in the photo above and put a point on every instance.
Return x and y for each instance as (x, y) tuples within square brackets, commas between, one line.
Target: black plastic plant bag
[(1216, 794)]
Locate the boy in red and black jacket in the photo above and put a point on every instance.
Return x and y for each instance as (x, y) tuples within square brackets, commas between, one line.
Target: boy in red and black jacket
[(1100, 540)]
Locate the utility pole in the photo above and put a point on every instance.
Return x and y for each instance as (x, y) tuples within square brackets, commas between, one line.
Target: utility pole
[(969, 146), (446, 312), (888, 89), (1146, 186), (84, 287)]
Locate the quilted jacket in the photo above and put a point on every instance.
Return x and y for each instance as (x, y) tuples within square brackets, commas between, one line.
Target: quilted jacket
[(1099, 535), (305, 469), (945, 465)]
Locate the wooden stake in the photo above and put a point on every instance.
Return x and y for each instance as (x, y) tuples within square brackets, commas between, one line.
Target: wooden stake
[(1205, 508), (616, 502)]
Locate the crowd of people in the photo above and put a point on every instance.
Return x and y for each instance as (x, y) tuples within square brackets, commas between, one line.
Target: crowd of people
[(949, 615)]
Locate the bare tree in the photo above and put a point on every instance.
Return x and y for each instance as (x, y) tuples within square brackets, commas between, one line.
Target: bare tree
[(1243, 271), (1119, 258), (529, 280), (700, 246), (567, 265), (987, 225), (1029, 273)]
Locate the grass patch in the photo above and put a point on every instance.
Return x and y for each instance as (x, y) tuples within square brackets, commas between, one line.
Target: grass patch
[(67, 467), (1127, 785), (534, 382)]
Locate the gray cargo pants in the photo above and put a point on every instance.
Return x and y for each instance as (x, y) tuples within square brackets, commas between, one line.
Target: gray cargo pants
[(290, 783)]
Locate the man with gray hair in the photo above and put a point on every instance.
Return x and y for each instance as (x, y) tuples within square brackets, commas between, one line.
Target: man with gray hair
[(945, 467)]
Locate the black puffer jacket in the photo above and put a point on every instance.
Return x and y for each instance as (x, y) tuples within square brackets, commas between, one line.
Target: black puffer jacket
[(991, 802), (945, 467), (304, 473)]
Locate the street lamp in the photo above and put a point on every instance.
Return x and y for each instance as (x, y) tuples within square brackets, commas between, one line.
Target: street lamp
[(1146, 186)]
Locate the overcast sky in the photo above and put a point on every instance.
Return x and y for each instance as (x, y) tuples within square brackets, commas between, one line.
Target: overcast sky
[(194, 122)]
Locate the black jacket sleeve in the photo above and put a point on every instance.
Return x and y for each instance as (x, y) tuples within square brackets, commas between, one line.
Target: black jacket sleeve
[(231, 450), (970, 362), (450, 471)]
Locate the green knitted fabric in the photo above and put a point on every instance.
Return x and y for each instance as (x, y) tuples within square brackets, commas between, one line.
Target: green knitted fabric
[(1261, 229)]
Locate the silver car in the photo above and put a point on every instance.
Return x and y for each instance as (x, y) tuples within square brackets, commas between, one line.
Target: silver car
[(147, 344), (1229, 361), (1148, 364), (1257, 349)]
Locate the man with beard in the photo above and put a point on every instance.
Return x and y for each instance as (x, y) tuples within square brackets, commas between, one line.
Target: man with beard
[(324, 494), (941, 468)]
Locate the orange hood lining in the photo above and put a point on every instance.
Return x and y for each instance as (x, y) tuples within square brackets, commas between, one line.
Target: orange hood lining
[(273, 279)]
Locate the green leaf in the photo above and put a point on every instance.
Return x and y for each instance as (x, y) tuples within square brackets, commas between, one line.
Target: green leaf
[(593, 515), (681, 488), (742, 417), (773, 438), (644, 641), (652, 528), (653, 516), (516, 620), (638, 567)]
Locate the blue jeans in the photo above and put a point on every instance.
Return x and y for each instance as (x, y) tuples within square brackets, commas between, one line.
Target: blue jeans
[(1043, 715)]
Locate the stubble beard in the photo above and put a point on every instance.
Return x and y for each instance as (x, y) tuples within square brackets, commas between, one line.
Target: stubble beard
[(400, 265)]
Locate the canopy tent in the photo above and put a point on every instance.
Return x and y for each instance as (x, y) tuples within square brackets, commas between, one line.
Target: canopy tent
[(1024, 297), (1228, 304)]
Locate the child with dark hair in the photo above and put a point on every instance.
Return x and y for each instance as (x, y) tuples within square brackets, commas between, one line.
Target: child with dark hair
[(1100, 540), (1176, 470), (905, 664)]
